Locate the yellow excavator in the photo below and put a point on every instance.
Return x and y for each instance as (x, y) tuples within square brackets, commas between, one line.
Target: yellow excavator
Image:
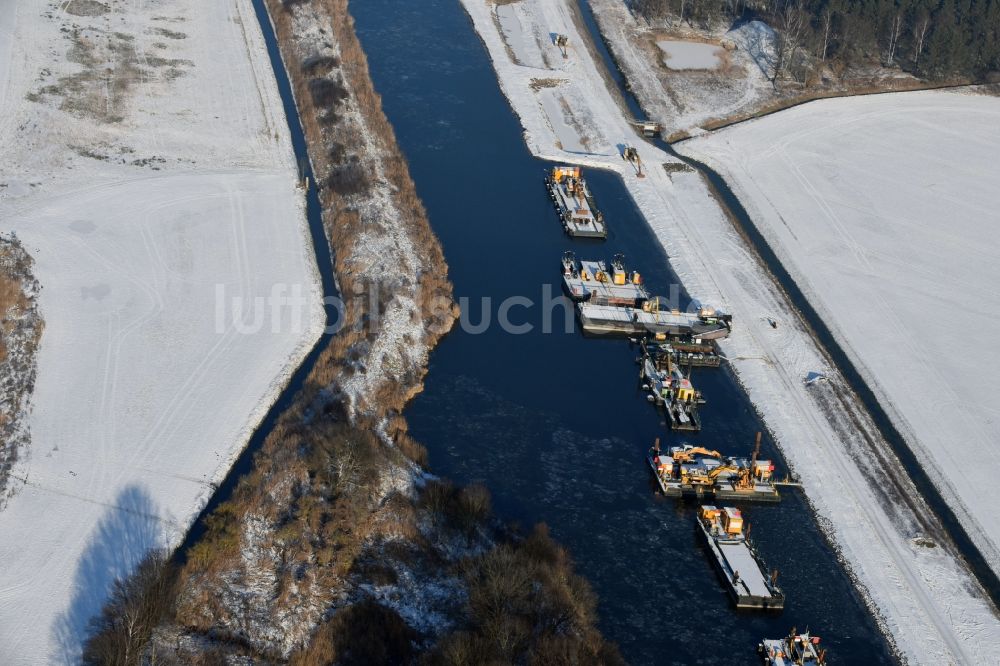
[(631, 154), (687, 454), (708, 479), (748, 477)]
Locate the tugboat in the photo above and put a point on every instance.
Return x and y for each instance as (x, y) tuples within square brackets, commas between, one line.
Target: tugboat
[(798, 649), (591, 281), (574, 203), (670, 389), (739, 565)]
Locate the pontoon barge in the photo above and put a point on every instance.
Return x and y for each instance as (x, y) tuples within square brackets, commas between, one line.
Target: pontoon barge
[(574, 203), (591, 281), (704, 325), (739, 565), (700, 473)]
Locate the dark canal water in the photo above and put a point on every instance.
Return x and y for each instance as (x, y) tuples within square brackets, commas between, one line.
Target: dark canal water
[(554, 423)]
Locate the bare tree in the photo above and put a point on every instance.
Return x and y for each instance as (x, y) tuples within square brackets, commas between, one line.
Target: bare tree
[(895, 28), (135, 606), (791, 23), (734, 8), (826, 22), (920, 28)]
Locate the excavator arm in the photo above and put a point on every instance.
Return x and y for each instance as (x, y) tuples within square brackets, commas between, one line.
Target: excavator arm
[(685, 455)]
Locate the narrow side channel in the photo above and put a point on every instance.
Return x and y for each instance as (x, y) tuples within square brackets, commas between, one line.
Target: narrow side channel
[(324, 262)]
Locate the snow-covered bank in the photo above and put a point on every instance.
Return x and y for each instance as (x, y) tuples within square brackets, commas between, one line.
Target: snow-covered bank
[(929, 605), (883, 209), (146, 165)]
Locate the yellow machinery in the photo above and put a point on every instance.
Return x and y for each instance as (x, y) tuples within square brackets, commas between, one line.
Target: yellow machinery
[(714, 474), (745, 480), (709, 512), (574, 184), (560, 172), (687, 455), (631, 154), (618, 274), (562, 41), (685, 391), (696, 478), (732, 520), (701, 479)]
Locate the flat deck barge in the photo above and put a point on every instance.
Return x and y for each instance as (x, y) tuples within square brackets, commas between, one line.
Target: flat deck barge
[(706, 324), (574, 203), (593, 282), (698, 473), (739, 565)]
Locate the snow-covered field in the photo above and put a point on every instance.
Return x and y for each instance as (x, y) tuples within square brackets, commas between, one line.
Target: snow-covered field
[(885, 209), (145, 163), (925, 599)]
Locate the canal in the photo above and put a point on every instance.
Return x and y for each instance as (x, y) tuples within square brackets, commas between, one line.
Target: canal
[(552, 422)]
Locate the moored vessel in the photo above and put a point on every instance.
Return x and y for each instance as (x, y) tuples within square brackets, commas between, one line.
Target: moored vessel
[(701, 473), (574, 202), (592, 281), (669, 388), (795, 649), (740, 567), (649, 320)]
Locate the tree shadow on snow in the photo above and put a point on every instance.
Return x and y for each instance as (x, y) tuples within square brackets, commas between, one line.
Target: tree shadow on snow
[(124, 535)]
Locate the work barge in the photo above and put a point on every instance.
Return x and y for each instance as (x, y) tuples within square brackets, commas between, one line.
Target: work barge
[(574, 203), (649, 320), (700, 354), (703, 474), (591, 281), (740, 567), (795, 649), (669, 389)]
